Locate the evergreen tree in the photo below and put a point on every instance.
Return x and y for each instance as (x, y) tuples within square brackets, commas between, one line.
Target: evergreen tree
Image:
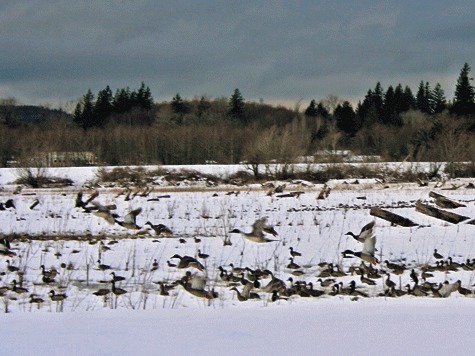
[(87, 119), (464, 94), (122, 101), (439, 103), (178, 105), (322, 111), (423, 98), (236, 107), (77, 118), (346, 119), (311, 110), (143, 98), (103, 107)]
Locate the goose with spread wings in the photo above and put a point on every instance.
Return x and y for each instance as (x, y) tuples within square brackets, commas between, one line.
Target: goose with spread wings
[(257, 234), (367, 253)]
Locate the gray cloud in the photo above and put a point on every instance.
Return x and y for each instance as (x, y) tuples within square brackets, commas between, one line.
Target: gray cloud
[(55, 50)]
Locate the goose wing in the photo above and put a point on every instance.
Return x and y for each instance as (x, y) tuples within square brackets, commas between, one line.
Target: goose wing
[(258, 227), (131, 216), (366, 231), (369, 246)]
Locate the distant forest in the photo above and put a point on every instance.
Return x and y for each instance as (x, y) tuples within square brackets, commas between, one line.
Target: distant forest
[(127, 127)]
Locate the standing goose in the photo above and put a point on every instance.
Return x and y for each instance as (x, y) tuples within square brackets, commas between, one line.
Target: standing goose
[(57, 297), (437, 255), (117, 291), (5, 248), (367, 253), (257, 232), (294, 253), (366, 231), (129, 221)]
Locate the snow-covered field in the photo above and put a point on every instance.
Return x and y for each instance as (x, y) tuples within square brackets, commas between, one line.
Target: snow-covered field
[(57, 234)]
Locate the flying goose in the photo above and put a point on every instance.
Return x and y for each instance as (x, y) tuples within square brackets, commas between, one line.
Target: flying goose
[(104, 211), (188, 261), (160, 229), (129, 221), (257, 232), (366, 231), (195, 285), (367, 253)]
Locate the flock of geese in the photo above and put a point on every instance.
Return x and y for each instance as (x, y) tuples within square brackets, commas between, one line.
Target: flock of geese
[(253, 283)]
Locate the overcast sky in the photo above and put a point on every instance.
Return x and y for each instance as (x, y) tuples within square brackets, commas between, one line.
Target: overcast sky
[(54, 51)]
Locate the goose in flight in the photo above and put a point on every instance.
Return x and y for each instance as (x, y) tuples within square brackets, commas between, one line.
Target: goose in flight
[(367, 253), (160, 229), (129, 221), (366, 231), (257, 232)]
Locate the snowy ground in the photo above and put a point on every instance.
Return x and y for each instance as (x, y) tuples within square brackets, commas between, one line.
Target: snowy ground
[(57, 234)]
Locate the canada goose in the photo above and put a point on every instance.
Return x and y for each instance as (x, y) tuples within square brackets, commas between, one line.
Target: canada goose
[(367, 280), (397, 268), (104, 211), (165, 288), (447, 288), (390, 284), (102, 292), (314, 292), (366, 231), (154, 265), (129, 221), (294, 253), (51, 273), (116, 278), (327, 282), (35, 299), (257, 232), (5, 248), (117, 291), (196, 287), (160, 229), (367, 254), (292, 264), (237, 270), (102, 266), (188, 261), (57, 297), (274, 284), (240, 297), (204, 256), (414, 277), (437, 255), (11, 268), (18, 290)]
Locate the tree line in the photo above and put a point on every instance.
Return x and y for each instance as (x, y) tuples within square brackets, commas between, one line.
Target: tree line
[(128, 127)]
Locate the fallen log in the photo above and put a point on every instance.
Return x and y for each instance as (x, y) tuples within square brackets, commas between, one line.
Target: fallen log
[(445, 202), (439, 214), (392, 217)]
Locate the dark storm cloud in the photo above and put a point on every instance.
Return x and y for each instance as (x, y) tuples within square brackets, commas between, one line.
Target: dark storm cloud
[(56, 50)]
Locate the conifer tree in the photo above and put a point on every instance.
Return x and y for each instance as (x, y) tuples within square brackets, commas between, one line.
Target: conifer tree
[(464, 103)]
